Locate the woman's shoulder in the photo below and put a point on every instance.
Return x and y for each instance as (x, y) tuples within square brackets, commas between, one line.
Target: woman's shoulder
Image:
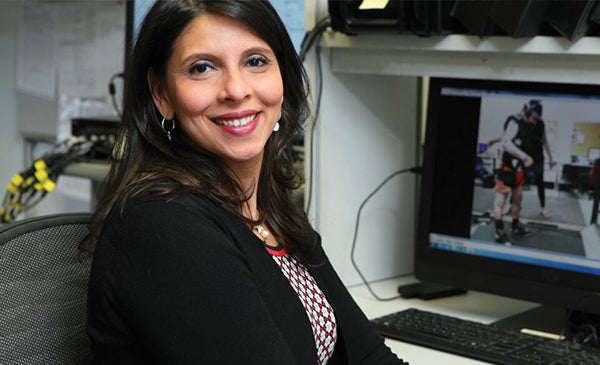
[(181, 204), (159, 222), (157, 213)]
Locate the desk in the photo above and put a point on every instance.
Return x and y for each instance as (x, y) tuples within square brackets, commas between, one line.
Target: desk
[(475, 306)]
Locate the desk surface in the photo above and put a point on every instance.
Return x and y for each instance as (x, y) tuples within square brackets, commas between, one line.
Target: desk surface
[(475, 306)]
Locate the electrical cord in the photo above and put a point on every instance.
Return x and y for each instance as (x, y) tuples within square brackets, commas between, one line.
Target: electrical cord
[(309, 40), (309, 186), (414, 169), (28, 187), (583, 326), (313, 35), (112, 90)]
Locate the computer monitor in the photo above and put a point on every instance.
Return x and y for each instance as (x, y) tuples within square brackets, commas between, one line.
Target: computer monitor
[(136, 10), (557, 264)]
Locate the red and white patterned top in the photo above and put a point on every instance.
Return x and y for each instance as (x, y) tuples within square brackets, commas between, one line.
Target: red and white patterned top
[(319, 311)]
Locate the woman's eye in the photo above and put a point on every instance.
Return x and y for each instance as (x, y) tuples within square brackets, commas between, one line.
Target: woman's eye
[(257, 61), (201, 67)]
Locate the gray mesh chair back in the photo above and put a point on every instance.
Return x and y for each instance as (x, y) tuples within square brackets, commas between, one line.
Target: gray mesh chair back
[(43, 291)]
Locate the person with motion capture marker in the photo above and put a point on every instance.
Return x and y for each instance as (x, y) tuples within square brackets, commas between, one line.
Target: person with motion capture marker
[(539, 143), (518, 141)]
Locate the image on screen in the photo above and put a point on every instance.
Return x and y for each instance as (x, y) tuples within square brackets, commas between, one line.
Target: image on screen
[(538, 148)]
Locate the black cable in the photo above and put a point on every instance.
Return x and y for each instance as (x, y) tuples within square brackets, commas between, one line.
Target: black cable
[(415, 169), (27, 188), (112, 91), (309, 186), (311, 36), (309, 40), (585, 327)]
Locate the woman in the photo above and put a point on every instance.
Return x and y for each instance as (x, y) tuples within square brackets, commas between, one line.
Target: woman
[(201, 255)]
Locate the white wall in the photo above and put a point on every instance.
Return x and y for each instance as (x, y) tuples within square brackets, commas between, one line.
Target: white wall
[(366, 130), (81, 46), (14, 151)]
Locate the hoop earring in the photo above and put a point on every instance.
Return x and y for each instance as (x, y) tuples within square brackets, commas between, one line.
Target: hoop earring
[(168, 131)]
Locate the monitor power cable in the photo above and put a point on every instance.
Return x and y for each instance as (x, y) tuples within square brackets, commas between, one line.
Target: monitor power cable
[(583, 327), (414, 169)]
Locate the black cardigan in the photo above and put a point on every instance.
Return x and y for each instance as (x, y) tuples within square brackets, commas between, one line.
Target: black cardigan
[(184, 281)]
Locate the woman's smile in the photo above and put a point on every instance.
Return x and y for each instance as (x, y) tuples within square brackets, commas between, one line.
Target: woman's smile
[(238, 124)]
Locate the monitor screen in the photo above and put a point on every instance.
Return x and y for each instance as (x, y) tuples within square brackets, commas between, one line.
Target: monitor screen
[(507, 191), (136, 11)]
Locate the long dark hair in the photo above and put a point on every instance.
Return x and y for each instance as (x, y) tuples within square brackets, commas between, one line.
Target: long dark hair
[(145, 162)]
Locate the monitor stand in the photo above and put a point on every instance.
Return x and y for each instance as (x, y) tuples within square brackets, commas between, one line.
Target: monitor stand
[(426, 291)]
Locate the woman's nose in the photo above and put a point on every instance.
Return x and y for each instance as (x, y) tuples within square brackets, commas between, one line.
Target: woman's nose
[(235, 86)]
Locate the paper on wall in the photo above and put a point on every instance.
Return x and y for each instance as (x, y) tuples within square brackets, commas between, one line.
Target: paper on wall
[(36, 71), (373, 4)]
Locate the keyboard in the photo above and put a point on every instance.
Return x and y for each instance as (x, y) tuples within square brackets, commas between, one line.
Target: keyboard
[(480, 341)]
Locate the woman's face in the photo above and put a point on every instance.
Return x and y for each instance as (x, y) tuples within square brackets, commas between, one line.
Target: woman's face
[(224, 86)]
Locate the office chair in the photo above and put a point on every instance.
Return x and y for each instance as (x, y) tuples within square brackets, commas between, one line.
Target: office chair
[(43, 290)]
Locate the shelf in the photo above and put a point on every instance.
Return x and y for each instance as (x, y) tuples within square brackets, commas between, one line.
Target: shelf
[(541, 58), (96, 171)]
